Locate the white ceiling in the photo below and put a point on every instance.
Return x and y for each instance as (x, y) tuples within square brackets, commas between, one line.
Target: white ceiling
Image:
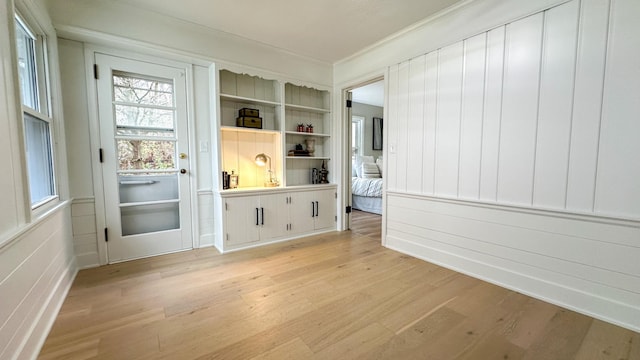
[(325, 30), (371, 94)]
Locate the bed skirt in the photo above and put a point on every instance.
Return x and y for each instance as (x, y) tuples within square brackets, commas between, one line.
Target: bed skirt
[(366, 203)]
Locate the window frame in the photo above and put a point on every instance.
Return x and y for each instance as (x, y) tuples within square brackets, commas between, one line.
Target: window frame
[(43, 110)]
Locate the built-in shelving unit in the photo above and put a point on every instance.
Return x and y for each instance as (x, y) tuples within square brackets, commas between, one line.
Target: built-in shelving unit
[(282, 107), (240, 145), (255, 214), (309, 107)]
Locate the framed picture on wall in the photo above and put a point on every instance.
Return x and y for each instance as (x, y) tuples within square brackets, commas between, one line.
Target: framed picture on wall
[(377, 133)]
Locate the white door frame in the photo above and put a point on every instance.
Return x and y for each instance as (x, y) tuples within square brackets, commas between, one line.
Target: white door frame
[(345, 146), (94, 139)]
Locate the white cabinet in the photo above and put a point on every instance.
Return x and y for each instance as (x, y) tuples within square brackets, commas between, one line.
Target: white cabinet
[(312, 210), (262, 217), (241, 221), (249, 219)]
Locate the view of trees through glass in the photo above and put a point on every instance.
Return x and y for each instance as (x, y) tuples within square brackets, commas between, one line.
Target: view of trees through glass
[(145, 122)]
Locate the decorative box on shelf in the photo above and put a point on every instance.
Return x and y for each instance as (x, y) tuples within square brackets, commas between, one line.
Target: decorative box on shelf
[(249, 112), (249, 118), (249, 122)]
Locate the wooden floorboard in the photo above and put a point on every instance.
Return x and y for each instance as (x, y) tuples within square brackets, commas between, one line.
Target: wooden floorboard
[(366, 223), (335, 296)]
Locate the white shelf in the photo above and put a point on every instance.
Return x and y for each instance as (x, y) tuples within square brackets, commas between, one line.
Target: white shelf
[(250, 130), (307, 108), (300, 133), (248, 100), (308, 158)]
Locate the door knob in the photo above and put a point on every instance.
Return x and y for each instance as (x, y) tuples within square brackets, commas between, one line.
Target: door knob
[(183, 171)]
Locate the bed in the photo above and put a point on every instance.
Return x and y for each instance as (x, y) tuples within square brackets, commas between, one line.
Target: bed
[(366, 185), (366, 194)]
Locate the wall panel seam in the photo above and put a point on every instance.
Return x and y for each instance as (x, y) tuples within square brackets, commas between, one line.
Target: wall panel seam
[(505, 58), (602, 104), (573, 102), (435, 127), (541, 69), (461, 110), (482, 115), (423, 118)]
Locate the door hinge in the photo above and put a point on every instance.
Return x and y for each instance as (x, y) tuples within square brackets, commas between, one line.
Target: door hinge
[(349, 103), (95, 71), (101, 155), (348, 210), (106, 235)]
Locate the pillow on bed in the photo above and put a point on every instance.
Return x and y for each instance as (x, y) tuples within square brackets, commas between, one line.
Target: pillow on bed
[(370, 171), (362, 160), (379, 163)]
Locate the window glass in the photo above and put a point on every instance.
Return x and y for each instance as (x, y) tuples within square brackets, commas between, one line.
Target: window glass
[(356, 135), (25, 43), (39, 159)]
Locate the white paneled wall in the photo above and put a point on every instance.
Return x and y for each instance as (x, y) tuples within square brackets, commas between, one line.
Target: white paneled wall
[(85, 237), (618, 169), (36, 271), (514, 116), (576, 262), (206, 218), (514, 156)]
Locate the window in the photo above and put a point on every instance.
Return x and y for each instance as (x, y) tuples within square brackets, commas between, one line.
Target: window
[(356, 135), (35, 107)]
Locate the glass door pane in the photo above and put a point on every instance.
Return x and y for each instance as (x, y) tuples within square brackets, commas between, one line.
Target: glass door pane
[(145, 118)]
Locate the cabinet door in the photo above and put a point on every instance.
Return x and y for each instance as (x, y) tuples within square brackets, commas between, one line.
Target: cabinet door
[(325, 216), (274, 216), (241, 220), (301, 212)]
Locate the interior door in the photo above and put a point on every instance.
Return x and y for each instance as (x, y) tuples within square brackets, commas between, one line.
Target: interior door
[(143, 132)]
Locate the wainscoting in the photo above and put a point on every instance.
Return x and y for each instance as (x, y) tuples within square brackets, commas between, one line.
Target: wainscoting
[(206, 229), (85, 237), (36, 271), (585, 264)]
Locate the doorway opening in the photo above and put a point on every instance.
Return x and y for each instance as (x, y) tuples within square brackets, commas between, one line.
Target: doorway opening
[(366, 144)]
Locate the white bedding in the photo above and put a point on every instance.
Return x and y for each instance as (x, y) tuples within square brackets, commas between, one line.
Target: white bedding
[(366, 187)]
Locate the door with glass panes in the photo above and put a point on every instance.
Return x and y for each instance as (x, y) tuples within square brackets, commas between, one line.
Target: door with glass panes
[(143, 132)]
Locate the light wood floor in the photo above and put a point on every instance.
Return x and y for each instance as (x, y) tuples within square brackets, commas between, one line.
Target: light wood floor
[(366, 223), (336, 296)]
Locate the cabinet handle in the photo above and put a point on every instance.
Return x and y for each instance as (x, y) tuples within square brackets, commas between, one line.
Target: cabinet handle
[(262, 215), (313, 209), (317, 209), (257, 218)]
